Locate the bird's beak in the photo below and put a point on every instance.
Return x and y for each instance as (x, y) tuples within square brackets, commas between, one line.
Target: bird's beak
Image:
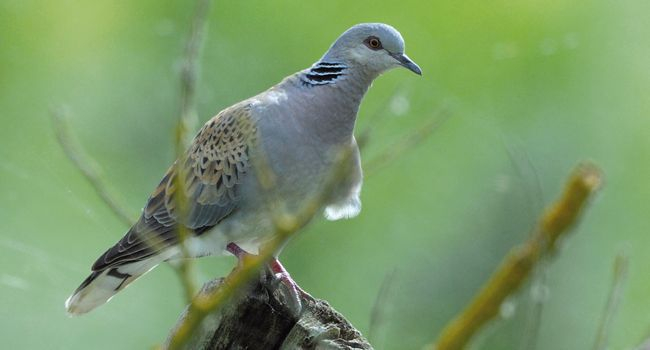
[(406, 62)]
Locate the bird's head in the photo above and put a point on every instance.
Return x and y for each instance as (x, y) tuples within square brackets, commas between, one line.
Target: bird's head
[(377, 47)]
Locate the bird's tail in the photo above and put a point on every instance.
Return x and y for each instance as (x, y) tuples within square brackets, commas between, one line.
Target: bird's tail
[(100, 286)]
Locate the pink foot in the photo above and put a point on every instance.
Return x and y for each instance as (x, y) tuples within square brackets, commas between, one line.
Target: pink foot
[(235, 250), (278, 269), (279, 272)]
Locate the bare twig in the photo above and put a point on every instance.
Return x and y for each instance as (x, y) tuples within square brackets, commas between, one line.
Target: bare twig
[(189, 75), (518, 264), (378, 312), (526, 171), (406, 143), (85, 164), (375, 119), (615, 295), (185, 127)]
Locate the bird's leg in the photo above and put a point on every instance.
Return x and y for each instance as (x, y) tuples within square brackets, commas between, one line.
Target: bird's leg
[(235, 250), (295, 293), (283, 275), (279, 272)]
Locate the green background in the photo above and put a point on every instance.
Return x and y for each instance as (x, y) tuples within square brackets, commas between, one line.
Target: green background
[(531, 87)]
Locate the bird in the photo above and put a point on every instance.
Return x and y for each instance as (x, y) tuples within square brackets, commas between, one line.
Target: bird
[(292, 131)]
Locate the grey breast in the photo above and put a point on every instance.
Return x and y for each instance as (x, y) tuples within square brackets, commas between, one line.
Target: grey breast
[(300, 131)]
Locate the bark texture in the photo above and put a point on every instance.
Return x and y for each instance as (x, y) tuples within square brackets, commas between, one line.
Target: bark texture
[(267, 316)]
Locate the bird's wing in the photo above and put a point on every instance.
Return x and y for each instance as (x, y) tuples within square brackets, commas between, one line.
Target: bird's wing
[(214, 166)]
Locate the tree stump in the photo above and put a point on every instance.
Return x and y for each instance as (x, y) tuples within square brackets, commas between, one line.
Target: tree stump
[(265, 315)]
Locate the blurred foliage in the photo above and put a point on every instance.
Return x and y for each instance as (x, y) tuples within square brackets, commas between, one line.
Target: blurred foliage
[(532, 87)]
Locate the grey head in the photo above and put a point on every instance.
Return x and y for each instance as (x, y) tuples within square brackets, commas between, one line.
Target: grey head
[(376, 47)]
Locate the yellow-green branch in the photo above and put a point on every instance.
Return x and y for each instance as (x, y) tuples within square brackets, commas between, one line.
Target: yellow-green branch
[(518, 264), (185, 127)]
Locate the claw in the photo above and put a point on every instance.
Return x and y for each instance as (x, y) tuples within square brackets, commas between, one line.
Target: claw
[(281, 274), (278, 269), (294, 292)]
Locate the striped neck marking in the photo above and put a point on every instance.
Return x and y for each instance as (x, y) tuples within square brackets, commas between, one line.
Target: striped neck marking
[(323, 73)]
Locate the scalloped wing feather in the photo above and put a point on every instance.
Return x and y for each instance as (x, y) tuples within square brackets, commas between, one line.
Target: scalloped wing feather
[(215, 165)]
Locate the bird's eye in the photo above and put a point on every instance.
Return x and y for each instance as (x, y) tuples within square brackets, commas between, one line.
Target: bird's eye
[(373, 43)]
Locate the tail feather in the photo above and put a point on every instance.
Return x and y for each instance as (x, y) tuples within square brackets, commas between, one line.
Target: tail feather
[(100, 286)]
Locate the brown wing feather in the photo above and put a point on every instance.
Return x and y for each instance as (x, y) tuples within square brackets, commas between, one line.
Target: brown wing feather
[(215, 165)]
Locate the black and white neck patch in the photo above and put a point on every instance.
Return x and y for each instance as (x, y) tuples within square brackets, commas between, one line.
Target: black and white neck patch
[(323, 73)]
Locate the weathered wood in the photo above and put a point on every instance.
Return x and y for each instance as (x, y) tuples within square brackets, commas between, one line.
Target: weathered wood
[(264, 317)]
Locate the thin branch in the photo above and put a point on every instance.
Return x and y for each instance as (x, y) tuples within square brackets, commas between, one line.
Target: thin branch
[(375, 119), (538, 290), (189, 75), (518, 264), (406, 143), (524, 172), (85, 164), (378, 312), (185, 127), (621, 264)]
